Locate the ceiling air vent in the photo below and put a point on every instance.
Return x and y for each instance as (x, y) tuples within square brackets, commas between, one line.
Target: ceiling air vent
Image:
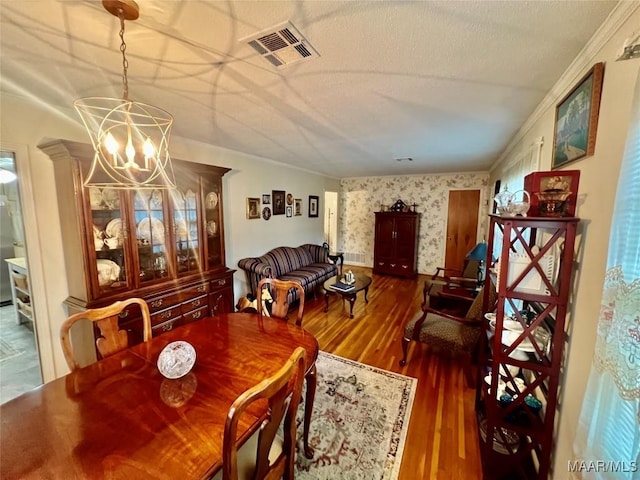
[(281, 45)]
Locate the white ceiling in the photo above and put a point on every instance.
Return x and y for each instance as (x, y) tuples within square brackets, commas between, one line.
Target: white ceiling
[(447, 83)]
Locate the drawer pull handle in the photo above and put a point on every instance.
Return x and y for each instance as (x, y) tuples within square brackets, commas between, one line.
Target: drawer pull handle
[(393, 265), (166, 328), (201, 288), (196, 303), (222, 283), (198, 314), (156, 303), (165, 315)]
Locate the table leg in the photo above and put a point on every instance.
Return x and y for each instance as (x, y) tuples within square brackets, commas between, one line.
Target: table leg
[(366, 292), (352, 300), (310, 396)]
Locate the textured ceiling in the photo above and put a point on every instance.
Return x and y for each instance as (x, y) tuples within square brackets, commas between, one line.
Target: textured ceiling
[(447, 83)]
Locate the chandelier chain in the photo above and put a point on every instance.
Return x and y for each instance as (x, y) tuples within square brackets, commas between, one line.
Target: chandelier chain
[(125, 62)]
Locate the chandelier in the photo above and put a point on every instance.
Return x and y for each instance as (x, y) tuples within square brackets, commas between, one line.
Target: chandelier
[(130, 139)]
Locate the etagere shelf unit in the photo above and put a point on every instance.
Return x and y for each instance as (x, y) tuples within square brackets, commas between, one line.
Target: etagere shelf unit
[(522, 353), (166, 246)]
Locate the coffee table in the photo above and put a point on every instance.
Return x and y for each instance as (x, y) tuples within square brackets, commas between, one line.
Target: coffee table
[(362, 283)]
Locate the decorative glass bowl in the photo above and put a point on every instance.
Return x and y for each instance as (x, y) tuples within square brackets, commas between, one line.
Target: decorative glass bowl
[(176, 359)]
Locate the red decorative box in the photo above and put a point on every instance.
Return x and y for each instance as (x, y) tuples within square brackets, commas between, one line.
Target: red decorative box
[(565, 180)]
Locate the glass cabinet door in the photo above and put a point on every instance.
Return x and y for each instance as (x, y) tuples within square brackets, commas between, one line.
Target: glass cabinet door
[(150, 220), (185, 226), (213, 215), (109, 239)]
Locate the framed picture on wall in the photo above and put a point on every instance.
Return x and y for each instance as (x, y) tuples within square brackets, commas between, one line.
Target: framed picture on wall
[(253, 208), (313, 205), (297, 207), (278, 201), (266, 198), (577, 119), (289, 211)]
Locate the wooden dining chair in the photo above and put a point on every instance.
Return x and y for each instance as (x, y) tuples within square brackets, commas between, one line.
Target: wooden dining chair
[(279, 290), (111, 339), (263, 455)]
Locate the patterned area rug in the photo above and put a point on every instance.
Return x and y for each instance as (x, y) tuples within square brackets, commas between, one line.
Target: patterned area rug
[(359, 423)]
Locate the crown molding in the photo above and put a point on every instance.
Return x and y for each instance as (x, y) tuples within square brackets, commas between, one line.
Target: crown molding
[(617, 17)]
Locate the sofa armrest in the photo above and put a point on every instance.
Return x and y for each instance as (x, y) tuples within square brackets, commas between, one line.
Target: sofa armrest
[(318, 252), (255, 270), (255, 265)]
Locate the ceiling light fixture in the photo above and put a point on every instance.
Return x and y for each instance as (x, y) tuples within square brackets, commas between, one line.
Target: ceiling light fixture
[(130, 139)]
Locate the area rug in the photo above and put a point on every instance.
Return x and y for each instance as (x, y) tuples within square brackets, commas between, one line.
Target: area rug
[(359, 424)]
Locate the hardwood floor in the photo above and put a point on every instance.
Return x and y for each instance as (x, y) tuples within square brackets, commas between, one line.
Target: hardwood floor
[(442, 441)]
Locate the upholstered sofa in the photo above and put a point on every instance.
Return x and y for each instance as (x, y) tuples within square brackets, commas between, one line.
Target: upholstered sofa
[(307, 265)]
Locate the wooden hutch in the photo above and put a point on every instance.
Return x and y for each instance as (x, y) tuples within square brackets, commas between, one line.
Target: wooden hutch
[(395, 249), (166, 246)]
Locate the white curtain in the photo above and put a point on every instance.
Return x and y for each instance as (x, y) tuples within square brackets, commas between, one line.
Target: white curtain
[(609, 427)]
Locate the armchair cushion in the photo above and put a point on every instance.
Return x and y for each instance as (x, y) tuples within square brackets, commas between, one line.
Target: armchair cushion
[(443, 333)]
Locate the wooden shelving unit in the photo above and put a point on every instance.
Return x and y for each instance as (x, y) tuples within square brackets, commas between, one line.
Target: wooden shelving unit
[(20, 290), (521, 356)]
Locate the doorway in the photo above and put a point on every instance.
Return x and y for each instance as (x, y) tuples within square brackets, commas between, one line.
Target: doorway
[(19, 360), (331, 219), (462, 226)]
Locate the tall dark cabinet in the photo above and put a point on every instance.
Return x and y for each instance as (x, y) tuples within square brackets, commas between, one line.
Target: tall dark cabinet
[(396, 243), (166, 246), (522, 353)]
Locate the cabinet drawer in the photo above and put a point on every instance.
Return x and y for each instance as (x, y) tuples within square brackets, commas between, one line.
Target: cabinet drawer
[(164, 315), (177, 297), (219, 283), (167, 326), (196, 314), (197, 302)]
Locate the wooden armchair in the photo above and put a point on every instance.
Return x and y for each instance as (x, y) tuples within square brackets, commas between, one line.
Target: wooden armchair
[(263, 455), (449, 333), (281, 297), (111, 339), (447, 279)]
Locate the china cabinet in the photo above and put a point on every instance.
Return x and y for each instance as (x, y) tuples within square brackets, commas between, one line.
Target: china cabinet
[(166, 246), (396, 239), (522, 352)]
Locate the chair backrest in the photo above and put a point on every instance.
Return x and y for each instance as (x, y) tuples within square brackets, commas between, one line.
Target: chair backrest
[(475, 310), (279, 290), (470, 269), (282, 392), (111, 339)]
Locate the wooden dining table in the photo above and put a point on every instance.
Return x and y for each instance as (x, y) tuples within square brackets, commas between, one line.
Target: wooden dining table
[(120, 418)]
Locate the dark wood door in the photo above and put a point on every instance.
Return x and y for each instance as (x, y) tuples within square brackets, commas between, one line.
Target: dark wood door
[(405, 239), (462, 226), (384, 238)]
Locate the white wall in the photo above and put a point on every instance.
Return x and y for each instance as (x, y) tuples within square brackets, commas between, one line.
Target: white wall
[(598, 181), (25, 124)]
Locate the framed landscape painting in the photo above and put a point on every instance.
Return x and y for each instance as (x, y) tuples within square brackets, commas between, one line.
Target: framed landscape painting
[(577, 119)]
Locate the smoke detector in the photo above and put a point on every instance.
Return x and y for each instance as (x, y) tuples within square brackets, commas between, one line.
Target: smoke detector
[(281, 45)]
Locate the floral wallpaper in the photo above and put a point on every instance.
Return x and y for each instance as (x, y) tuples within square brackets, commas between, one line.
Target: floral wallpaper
[(361, 197)]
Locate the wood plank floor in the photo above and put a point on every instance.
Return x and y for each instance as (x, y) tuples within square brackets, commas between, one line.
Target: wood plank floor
[(442, 441)]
